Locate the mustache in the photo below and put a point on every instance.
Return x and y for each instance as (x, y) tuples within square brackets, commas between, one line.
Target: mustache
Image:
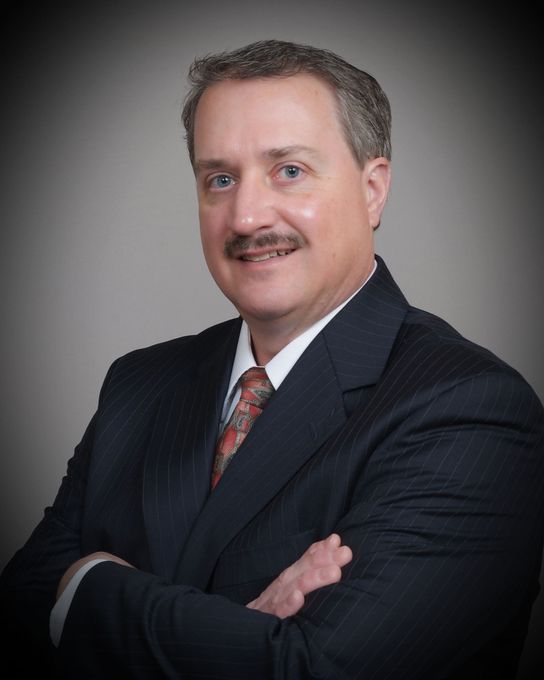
[(239, 244)]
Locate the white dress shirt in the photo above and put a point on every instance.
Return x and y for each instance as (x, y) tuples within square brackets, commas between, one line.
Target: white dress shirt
[(277, 369)]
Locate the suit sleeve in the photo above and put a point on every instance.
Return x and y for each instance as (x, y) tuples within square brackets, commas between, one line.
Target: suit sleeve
[(29, 582), (445, 523)]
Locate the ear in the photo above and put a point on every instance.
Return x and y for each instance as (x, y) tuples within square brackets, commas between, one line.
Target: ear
[(377, 178)]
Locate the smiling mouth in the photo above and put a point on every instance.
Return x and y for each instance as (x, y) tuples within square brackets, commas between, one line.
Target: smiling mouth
[(262, 247), (265, 256)]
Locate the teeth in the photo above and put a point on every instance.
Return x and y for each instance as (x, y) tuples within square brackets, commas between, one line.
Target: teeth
[(265, 256)]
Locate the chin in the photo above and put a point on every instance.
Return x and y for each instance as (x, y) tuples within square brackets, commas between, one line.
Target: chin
[(270, 305), (263, 313)]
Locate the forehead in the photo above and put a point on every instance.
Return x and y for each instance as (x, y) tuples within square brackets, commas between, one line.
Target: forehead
[(266, 113)]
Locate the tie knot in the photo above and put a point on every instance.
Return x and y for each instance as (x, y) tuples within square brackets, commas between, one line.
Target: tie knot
[(256, 387)]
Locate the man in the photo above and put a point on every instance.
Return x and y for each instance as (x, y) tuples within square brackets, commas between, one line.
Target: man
[(373, 424)]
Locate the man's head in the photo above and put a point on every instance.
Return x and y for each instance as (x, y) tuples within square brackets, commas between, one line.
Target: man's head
[(362, 106), (287, 202)]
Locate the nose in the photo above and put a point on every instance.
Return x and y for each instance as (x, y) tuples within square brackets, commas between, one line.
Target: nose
[(252, 206)]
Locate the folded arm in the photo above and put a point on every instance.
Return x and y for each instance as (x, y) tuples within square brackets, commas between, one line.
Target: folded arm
[(319, 566), (446, 528), (445, 523)]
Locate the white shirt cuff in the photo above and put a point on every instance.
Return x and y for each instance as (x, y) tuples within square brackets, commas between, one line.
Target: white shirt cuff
[(60, 610)]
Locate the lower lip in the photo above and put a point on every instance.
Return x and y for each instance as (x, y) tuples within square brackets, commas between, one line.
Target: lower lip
[(268, 261)]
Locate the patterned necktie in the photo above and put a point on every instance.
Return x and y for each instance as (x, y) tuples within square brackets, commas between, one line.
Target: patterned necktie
[(256, 390)]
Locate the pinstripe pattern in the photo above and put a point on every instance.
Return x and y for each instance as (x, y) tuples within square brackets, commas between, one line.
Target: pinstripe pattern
[(424, 451)]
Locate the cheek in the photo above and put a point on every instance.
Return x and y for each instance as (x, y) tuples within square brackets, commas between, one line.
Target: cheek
[(211, 222), (304, 214), (308, 213), (212, 249)]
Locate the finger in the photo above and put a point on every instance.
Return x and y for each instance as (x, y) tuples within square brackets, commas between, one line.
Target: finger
[(278, 590), (319, 566), (323, 556), (318, 578), (319, 555), (288, 602), (268, 598), (333, 541), (327, 544), (343, 556), (290, 606), (286, 593)]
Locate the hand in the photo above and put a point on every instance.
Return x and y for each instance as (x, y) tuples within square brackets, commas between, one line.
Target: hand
[(67, 576), (319, 566)]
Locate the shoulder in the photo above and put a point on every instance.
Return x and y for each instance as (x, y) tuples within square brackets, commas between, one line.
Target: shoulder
[(431, 339), (195, 345), (440, 362), (171, 359)]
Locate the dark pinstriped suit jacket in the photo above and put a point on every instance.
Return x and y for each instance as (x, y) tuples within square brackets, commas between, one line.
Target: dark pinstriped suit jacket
[(424, 451)]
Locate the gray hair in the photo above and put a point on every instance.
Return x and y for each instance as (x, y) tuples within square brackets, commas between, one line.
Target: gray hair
[(363, 107)]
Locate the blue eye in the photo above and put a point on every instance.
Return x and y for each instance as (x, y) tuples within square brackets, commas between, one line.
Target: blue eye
[(291, 171), (220, 182)]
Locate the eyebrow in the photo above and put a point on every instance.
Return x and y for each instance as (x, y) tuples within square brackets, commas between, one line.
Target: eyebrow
[(284, 151), (209, 164), (274, 153)]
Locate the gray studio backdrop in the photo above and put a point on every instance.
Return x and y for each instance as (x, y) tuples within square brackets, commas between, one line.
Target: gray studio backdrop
[(100, 243)]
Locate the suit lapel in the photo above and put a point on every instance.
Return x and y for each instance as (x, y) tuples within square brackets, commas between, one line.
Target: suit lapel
[(310, 405), (360, 338), (180, 453)]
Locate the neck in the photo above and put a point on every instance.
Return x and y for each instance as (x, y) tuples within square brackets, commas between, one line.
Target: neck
[(267, 340)]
